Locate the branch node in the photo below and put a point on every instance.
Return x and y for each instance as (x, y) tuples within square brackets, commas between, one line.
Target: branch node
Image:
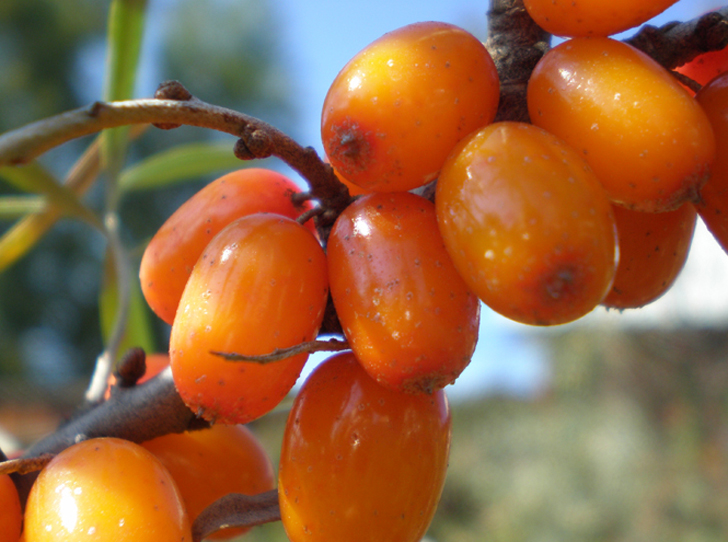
[(131, 367), (258, 141), (173, 90), (242, 152)]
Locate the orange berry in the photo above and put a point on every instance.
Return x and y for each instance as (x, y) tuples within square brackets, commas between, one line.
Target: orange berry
[(653, 248), (527, 224), (171, 254), (105, 489), (713, 204), (587, 18), (407, 314), (11, 515), (360, 462), (260, 285), (211, 463), (396, 109), (644, 136)]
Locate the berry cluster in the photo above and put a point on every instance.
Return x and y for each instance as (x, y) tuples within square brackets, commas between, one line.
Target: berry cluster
[(593, 203)]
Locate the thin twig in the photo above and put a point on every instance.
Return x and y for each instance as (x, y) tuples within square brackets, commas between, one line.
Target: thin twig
[(257, 139), (25, 465), (331, 345)]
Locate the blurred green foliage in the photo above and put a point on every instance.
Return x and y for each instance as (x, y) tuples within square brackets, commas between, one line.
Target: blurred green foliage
[(52, 60)]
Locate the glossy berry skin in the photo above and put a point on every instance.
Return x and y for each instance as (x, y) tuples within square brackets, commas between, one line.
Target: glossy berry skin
[(210, 463), (171, 254), (644, 136), (527, 224), (11, 515), (105, 489), (360, 462), (589, 18), (260, 285), (408, 315), (653, 248), (713, 204), (396, 109)]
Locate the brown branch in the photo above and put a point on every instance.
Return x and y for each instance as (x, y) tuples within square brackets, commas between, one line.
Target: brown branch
[(516, 44), (138, 414), (237, 510), (176, 106), (331, 345), (674, 44)]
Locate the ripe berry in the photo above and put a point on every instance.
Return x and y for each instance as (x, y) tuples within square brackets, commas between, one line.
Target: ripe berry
[(408, 315), (396, 109), (653, 248), (171, 254), (588, 18), (11, 515), (360, 462), (260, 285), (644, 136), (210, 463), (713, 203), (527, 224), (105, 489)]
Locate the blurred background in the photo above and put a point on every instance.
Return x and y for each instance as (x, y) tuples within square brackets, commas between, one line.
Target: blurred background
[(611, 428)]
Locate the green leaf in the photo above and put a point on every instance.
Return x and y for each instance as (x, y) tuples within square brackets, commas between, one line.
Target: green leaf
[(23, 236), (36, 179), (124, 40), (178, 164), (138, 330), (14, 207)]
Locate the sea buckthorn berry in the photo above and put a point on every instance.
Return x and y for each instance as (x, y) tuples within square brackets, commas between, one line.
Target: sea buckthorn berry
[(396, 109), (587, 18), (361, 462), (527, 224), (407, 314), (653, 248), (713, 204), (210, 463), (644, 136), (260, 285), (706, 67), (171, 254), (105, 489), (11, 515)]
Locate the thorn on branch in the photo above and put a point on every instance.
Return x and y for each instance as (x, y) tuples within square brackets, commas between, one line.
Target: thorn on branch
[(331, 345), (237, 510), (131, 367), (687, 81)]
